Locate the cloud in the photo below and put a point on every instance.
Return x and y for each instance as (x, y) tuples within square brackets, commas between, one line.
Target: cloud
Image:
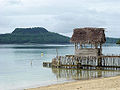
[(14, 2), (60, 15), (67, 22)]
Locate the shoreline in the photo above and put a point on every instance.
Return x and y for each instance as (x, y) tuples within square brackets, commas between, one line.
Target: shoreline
[(107, 83)]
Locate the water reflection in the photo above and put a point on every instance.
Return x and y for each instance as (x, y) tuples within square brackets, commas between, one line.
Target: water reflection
[(75, 74)]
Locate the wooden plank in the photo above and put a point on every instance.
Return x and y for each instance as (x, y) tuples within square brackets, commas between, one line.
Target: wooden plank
[(69, 55), (100, 66), (111, 56), (94, 56), (70, 65), (92, 66), (46, 62)]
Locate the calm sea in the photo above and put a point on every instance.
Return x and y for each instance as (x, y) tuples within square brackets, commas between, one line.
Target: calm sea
[(17, 72)]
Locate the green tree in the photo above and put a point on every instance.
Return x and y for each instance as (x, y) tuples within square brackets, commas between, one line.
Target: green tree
[(33, 35), (118, 42)]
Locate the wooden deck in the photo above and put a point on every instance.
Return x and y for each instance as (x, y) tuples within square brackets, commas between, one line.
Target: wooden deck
[(82, 62)]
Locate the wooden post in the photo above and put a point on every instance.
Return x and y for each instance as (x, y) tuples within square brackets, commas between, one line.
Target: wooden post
[(84, 45), (100, 49), (100, 62), (76, 46), (91, 45), (96, 46), (57, 52), (80, 45), (59, 61), (78, 63)]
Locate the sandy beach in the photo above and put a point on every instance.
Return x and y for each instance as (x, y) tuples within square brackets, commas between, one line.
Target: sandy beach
[(110, 83)]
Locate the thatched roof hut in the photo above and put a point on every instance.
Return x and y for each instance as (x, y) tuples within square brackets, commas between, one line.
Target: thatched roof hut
[(88, 36)]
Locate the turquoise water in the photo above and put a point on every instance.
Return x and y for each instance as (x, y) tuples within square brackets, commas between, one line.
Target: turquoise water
[(17, 72)]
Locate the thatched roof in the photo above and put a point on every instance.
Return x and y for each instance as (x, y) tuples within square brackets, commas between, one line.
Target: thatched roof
[(88, 35)]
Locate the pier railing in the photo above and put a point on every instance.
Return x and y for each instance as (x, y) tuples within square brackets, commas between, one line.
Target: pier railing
[(87, 62)]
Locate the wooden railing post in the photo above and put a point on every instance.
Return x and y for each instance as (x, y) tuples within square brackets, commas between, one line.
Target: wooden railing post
[(99, 61)]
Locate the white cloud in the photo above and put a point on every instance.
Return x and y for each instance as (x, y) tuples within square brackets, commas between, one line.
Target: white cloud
[(60, 15)]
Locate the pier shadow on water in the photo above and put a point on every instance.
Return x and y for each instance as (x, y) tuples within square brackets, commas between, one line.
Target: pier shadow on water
[(75, 74)]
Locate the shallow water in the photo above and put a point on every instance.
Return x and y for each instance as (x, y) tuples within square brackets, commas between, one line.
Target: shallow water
[(17, 72)]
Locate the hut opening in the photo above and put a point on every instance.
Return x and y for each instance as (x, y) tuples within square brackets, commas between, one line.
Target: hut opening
[(94, 37)]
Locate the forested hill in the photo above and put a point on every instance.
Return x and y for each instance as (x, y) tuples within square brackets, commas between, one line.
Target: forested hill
[(37, 35), (112, 40)]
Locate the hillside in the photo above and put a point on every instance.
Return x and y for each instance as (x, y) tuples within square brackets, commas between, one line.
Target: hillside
[(37, 35), (112, 40), (118, 42)]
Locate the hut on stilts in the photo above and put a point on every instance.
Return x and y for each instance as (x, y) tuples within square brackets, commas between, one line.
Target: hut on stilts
[(94, 37), (88, 52)]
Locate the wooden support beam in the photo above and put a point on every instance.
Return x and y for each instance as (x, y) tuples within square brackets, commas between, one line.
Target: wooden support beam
[(91, 45), (96, 45), (80, 45), (90, 62), (100, 49)]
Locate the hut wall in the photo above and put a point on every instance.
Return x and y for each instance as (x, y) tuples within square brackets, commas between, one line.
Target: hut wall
[(87, 52)]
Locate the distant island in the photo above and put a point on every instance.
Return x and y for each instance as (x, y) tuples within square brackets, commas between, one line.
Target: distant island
[(118, 42), (112, 40), (39, 35)]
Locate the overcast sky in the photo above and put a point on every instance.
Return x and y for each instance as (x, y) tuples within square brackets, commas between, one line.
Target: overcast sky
[(61, 16)]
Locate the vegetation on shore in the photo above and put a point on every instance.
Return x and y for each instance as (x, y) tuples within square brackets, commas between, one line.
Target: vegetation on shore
[(118, 42), (112, 40), (39, 35)]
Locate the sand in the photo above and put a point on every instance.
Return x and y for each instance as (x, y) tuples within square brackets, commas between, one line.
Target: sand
[(110, 83)]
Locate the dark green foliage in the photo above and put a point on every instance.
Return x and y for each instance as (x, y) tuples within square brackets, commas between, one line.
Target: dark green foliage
[(111, 40), (36, 30), (39, 35), (33, 35), (118, 42)]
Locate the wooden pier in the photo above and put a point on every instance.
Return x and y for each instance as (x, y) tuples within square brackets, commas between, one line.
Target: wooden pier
[(87, 57), (47, 64), (83, 62)]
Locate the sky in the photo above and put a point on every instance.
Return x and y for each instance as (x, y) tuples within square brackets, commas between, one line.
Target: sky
[(61, 16)]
